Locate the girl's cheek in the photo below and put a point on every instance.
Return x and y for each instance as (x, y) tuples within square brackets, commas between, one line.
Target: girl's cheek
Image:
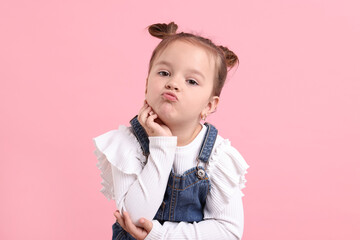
[(148, 99)]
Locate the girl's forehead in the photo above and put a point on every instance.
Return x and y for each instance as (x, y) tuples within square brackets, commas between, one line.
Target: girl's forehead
[(189, 52), (183, 44)]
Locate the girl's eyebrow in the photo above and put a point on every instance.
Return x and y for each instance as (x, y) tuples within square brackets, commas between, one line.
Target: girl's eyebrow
[(191, 70), (164, 63)]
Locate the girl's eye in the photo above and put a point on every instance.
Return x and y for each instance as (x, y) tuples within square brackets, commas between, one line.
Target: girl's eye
[(192, 82), (164, 73)]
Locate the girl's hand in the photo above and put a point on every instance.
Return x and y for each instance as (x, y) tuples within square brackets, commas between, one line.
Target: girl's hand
[(139, 233), (152, 124)]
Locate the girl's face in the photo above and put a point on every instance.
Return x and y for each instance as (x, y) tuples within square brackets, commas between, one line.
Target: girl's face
[(180, 84)]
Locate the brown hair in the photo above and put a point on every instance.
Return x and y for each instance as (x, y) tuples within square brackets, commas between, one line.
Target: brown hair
[(225, 58)]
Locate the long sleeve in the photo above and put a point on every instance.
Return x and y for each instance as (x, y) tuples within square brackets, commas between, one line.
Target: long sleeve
[(146, 190), (136, 186)]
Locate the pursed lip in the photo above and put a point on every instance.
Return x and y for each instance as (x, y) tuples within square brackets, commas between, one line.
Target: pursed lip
[(169, 96)]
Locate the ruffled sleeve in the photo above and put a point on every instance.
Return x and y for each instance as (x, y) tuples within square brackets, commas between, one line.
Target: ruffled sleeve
[(227, 169), (120, 149)]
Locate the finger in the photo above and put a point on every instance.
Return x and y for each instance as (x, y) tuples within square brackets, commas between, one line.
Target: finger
[(142, 109), (145, 105), (144, 115), (117, 214), (120, 220), (132, 229), (158, 121), (146, 224), (150, 121)]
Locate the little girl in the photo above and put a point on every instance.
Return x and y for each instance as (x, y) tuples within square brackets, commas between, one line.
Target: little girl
[(172, 176)]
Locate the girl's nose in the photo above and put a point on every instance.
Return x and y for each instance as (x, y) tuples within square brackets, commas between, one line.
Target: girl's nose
[(171, 84)]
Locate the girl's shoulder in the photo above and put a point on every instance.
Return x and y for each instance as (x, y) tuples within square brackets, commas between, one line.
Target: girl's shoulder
[(121, 140), (226, 154), (118, 145), (227, 169), (118, 149)]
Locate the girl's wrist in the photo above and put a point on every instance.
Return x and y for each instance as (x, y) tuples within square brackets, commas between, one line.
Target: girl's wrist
[(163, 139), (168, 142)]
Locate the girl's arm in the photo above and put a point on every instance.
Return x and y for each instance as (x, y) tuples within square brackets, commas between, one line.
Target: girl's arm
[(141, 194), (226, 225), (144, 192), (136, 188)]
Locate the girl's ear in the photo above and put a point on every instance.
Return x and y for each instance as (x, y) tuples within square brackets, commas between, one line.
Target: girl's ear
[(213, 103), (211, 107)]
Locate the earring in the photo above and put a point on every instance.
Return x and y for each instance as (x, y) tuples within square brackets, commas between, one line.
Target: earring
[(203, 117)]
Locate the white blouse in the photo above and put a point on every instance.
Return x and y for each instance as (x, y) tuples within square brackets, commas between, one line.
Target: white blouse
[(138, 186)]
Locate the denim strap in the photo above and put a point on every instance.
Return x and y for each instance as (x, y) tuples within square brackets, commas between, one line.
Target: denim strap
[(141, 135), (208, 142)]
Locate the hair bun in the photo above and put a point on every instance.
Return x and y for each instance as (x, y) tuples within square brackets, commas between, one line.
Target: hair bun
[(230, 57), (162, 30)]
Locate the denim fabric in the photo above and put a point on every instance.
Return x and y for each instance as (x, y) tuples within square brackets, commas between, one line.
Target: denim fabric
[(185, 194), (208, 143), (120, 233), (184, 197), (140, 135)]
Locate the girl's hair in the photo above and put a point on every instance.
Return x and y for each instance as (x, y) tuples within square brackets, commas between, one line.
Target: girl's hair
[(225, 58)]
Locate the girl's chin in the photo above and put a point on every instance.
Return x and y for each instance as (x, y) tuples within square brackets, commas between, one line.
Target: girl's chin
[(166, 118), (165, 112)]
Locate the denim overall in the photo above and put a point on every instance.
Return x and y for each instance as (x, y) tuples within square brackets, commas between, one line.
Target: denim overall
[(185, 194)]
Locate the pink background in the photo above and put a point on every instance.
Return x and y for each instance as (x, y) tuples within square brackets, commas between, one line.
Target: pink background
[(72, 70)]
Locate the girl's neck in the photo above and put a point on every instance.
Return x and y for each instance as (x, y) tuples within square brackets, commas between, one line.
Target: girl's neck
[(186, 133)]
